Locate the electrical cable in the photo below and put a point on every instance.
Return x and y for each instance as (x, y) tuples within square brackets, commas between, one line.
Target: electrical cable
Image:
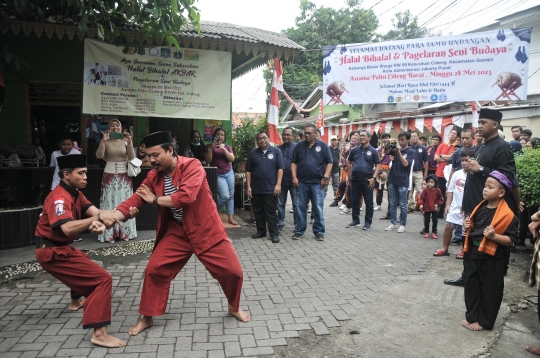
[(431, 28), (460, 16), (438, 14)]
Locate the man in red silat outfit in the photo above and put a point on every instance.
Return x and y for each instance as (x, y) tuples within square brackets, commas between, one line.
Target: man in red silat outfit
[(186, 226), (59, 223)]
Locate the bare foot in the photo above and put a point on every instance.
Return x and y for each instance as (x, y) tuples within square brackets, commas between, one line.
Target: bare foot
[(102, 338), (465, 323), (144, 323), (240, 315), (232, 221), (475, 327), (76, 304), (533, 350)]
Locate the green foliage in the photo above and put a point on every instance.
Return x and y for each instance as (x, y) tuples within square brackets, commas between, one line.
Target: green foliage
[(317, 27), (243, 141), (157, 18), (405, 27), (528, 172)]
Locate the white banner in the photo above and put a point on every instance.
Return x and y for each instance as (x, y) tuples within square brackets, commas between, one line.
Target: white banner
[(490, 65), (162, 82)]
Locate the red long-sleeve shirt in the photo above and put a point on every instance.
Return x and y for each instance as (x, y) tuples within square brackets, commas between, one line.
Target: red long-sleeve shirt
[(201, 221), (429, 198)]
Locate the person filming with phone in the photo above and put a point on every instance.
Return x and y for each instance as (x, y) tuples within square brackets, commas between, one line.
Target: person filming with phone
[(221, 156), (116, 148)]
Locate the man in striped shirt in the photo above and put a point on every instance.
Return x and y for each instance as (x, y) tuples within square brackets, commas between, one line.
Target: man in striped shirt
[(186, 226)]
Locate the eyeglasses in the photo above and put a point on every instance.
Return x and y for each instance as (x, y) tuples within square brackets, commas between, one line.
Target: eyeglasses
[(334, 139), (309, 133)]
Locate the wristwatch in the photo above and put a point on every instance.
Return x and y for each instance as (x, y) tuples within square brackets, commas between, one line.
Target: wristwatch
[(481, 169), (326, 178), (99, 218)]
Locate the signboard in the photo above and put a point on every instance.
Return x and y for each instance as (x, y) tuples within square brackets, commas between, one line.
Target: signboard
[(490, 65), (162, 82)]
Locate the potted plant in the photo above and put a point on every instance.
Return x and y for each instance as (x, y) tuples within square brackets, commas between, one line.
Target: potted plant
[(243, 141)]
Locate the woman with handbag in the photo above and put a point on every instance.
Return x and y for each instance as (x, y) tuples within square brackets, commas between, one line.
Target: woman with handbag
[(117, 150)]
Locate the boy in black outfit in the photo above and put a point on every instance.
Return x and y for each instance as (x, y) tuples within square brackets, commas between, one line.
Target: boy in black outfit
[(491, 224)]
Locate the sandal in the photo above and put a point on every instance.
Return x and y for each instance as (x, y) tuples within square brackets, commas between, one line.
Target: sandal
[(252, 221), (459, 255), (440, 252)]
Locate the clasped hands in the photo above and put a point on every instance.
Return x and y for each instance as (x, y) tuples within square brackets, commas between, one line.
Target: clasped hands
[(109, 220)]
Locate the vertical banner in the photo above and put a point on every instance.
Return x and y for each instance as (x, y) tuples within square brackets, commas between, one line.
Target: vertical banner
[(161, 82), (492, 65)]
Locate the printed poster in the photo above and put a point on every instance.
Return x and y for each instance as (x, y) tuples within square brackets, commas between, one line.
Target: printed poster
[(491, 65), (161, 82)]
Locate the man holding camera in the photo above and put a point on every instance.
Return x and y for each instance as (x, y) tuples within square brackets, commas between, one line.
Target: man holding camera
[(398, 180)]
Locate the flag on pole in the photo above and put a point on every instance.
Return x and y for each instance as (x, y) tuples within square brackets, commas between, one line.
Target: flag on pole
[(474, 115), (320, 120), (273, 109)]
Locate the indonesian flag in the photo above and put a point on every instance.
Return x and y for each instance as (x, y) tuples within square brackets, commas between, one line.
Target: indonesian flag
[(320, 121), (474, 115), (273, 109)]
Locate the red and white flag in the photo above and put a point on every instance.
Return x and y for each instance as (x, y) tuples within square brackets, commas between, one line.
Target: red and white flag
[(272, 119), (474, 115), (320, 121)]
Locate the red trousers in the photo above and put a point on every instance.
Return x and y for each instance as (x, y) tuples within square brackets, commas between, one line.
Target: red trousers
[(169, 257), (84, 277)]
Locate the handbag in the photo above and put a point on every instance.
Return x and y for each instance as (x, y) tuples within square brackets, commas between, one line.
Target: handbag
[(134, 167)]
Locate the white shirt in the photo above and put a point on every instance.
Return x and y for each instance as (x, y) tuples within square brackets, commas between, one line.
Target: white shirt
[(457, 187), (54, 164)]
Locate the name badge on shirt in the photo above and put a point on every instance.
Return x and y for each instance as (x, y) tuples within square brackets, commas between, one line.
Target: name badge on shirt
[(270, 156), (405, 156), (420, 150), (368, 154), (317, 149)]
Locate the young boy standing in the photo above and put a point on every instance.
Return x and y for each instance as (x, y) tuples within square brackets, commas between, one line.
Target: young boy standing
[(491, 224), (66, 147), (454, 198), (430, 200)]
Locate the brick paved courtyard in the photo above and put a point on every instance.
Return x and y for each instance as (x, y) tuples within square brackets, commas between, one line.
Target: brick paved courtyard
[(288, 287)]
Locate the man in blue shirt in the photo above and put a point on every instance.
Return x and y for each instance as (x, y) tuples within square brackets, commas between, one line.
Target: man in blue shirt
[(399, 180), (364, 164), (264, 171), (420, 168), (311, 166), (287, 149)]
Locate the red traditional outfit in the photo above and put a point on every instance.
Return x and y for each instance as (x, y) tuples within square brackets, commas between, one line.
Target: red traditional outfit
[(200, 232), (70, 266)]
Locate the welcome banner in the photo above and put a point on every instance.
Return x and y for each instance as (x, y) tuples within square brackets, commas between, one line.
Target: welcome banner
[(161, 82), (490, 65)]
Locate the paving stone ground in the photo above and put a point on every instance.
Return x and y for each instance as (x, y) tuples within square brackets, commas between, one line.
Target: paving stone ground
[(288, 287)]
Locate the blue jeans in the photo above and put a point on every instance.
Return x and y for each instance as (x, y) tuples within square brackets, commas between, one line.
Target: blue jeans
[(360, 188), (282, 200), (398, 196), (304, 193), (458, 232), (225, 187)]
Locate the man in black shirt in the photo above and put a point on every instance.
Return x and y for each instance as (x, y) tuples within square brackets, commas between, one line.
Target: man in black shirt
[(493, 154)]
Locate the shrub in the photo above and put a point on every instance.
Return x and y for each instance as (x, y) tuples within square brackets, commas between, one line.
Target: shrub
[(243, 140), (528, 173)]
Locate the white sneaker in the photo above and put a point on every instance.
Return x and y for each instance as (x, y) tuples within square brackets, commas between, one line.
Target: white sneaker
[(401, 228), (390, 227), (377, 208), (343, 207), (346, 211)]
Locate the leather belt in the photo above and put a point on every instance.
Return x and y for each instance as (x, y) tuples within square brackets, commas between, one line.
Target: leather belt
[(42, 243)]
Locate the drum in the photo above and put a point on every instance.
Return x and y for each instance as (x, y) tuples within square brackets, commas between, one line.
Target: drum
[(505, 80), (335, 88)]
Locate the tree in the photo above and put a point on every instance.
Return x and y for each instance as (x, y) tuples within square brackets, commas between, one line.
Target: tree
[(318, 27), (405, 27), (157, 18)]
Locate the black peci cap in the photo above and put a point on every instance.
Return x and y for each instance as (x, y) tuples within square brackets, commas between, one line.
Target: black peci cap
[(158, 138), (490, 114), (71, 161)]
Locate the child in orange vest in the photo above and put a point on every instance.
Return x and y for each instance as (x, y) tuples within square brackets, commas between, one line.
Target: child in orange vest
[(491, 226)]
